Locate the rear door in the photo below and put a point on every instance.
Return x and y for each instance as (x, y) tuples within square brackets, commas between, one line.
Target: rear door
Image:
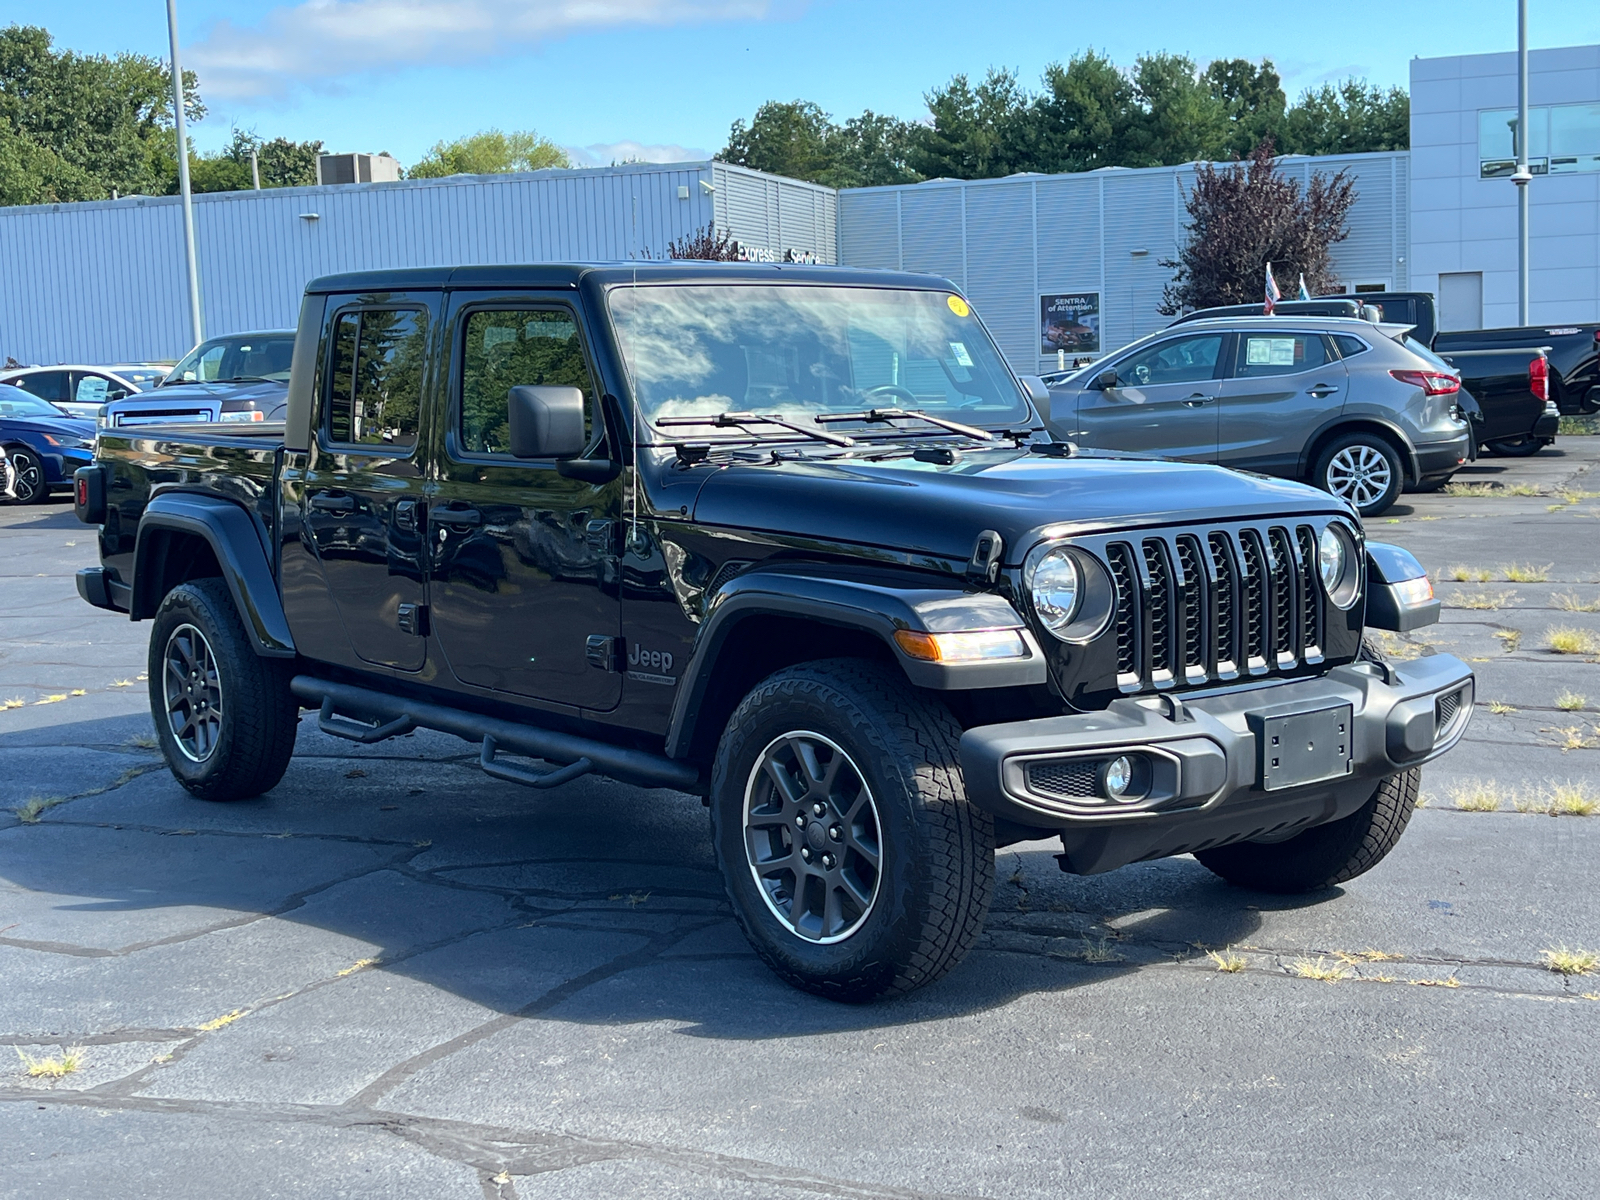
[(363, 492), (1282, 386), (524, 595), (1164, 402)]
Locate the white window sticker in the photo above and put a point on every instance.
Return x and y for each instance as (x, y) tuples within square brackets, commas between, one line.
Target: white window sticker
[(1269, 352), (959, 349)]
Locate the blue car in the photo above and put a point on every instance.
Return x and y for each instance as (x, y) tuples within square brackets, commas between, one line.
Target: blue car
[(44, 444)]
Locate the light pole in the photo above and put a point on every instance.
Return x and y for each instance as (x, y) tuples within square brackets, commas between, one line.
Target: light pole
[(1523, 176), (197, 327)]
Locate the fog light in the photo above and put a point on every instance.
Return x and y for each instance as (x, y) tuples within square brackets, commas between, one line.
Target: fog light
[(1116, 778)]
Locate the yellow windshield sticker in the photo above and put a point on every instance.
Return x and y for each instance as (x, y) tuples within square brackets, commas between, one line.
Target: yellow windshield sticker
[(958, 306)]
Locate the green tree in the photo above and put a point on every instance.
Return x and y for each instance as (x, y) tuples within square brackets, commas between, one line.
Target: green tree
[(978, 132), (490, 152), (872, 150), (1082, 119), (280, 163), (94, 124), (1179, 119), (783, 138), (1253, 97), (1352, 118)]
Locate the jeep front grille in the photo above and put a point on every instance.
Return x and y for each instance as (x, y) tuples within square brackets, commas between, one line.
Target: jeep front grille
[(1212, 606)]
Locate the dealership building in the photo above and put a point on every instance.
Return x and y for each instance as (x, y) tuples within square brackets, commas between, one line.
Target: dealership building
[(1051, 261)]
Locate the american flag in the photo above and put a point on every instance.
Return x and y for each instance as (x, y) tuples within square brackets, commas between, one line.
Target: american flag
[(1273, 294)]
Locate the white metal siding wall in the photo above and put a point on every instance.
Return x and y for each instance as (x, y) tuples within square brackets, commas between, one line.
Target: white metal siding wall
[(776, 214), (104, 281), (1008, 241)]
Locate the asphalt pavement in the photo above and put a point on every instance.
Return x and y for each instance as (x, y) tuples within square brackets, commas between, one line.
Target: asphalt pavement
[(392, 976)]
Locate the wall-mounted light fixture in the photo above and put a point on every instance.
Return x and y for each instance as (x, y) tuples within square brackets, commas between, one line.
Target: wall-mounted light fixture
[(707, 188), (1138, 253), (311, 216)]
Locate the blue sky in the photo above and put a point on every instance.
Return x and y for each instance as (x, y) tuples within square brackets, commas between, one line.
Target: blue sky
[(663, 79)]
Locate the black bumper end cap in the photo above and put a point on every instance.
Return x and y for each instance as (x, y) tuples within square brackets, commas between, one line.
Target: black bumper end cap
[(94, 587)]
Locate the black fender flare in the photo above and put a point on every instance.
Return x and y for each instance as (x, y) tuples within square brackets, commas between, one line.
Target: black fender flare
[(877, 605), (1355, 420), (232, 536)]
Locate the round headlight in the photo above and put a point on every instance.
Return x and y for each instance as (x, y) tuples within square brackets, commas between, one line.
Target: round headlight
[(1331, 556), (1056, 588)]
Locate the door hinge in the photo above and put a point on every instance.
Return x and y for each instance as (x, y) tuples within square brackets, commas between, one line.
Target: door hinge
[(413, 619), (603, 652)]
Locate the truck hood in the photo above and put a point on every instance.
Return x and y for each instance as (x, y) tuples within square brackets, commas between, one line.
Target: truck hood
[(925, 508), (177, 393)]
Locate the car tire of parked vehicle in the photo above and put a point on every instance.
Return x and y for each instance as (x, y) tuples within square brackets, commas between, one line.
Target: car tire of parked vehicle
[(1363, 468), (1525, 446), (838, 772), (224, 715), (28, 484), (1327, 854)]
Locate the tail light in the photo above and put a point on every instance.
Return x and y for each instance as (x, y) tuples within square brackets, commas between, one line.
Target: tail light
[(1434, 383), (1539, 377)]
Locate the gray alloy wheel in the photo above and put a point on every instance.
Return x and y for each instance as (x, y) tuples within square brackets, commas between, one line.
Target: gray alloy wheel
[(193, 689), (1360, 474), (28, 477), (812, 837)]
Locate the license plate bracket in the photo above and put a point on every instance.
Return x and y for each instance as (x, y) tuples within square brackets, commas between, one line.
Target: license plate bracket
[(1297, 746)]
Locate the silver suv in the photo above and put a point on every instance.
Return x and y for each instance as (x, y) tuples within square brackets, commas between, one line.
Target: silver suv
[(1356, 408)]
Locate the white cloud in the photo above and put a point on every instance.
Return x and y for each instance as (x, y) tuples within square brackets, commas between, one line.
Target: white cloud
[(319, 41), (603, 154)]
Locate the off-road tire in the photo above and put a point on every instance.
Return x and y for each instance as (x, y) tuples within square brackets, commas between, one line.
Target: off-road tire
[(936, 849), (1357, 442), (1328, 854), (27, 473), (260, 715)]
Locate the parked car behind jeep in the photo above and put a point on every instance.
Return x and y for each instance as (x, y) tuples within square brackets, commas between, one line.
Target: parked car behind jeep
[(1341, 403), (238, 378)]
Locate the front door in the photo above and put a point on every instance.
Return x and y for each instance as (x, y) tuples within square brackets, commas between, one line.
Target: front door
[(1164, 401), (362, 495), (1282, 388), (523, 592)]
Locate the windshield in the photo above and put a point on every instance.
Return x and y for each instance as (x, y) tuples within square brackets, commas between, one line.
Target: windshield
[(14, 402), (236, 358), (801, 351)]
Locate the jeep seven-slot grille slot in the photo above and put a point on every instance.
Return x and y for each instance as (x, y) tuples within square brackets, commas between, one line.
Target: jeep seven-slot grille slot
[(1214, 606)]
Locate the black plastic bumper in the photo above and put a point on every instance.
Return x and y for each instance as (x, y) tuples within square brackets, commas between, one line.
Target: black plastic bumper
[(1443, 458), (1548, 424), (103, 589), (1205, 761)]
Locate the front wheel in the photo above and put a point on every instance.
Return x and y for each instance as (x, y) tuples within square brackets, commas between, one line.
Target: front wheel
[(1328, 854), (853, 860), (1363, 468), (1518, 447), (27, 484), (224, 715)]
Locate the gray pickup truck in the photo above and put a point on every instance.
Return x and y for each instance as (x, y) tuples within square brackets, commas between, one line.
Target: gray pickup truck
[(794, 539)]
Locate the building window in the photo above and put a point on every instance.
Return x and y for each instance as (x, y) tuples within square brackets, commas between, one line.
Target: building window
[(1562, 139)]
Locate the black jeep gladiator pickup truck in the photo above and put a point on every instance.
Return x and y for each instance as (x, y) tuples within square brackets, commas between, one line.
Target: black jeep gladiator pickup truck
[(794, 539)]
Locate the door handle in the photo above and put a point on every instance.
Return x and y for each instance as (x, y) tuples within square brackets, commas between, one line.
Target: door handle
[(1199, 398), (1321, 390), (334, 503), (458, 516), (405, 515)]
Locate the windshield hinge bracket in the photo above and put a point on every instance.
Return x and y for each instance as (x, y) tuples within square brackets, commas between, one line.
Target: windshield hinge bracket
[(984, 565)]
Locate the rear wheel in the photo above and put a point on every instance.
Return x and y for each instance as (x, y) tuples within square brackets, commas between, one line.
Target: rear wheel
[(1327, 854), (1363, 468), (854, 863), (1518, 447), (28, 483), (224, 715)]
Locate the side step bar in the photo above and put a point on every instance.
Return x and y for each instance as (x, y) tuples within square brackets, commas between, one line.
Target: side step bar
[(370, 716)]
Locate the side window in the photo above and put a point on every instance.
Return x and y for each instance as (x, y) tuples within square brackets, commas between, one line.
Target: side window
[(1349, 346), (94, 389), (1183, 360), (1263, 354), (374, 384), (507, 348), (47, 385)]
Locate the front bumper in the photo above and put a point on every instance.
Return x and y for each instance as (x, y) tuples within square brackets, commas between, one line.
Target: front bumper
[(1205, 761)]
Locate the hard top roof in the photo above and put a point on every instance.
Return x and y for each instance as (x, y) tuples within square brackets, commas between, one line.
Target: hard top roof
[(568, 275)]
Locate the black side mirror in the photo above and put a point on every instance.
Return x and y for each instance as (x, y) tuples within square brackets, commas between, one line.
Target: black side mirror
[(1105, 381), (546, 422)]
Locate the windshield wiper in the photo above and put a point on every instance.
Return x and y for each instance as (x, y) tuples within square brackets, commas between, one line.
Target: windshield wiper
[(726, 420), (884, 415)]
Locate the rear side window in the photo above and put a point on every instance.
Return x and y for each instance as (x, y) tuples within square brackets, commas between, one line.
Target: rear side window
[(47, 385), (507, 348), (1349, 346), (1264, 354), (374, 394)]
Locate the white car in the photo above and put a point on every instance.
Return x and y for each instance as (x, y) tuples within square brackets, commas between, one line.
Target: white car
[(80, 390)]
